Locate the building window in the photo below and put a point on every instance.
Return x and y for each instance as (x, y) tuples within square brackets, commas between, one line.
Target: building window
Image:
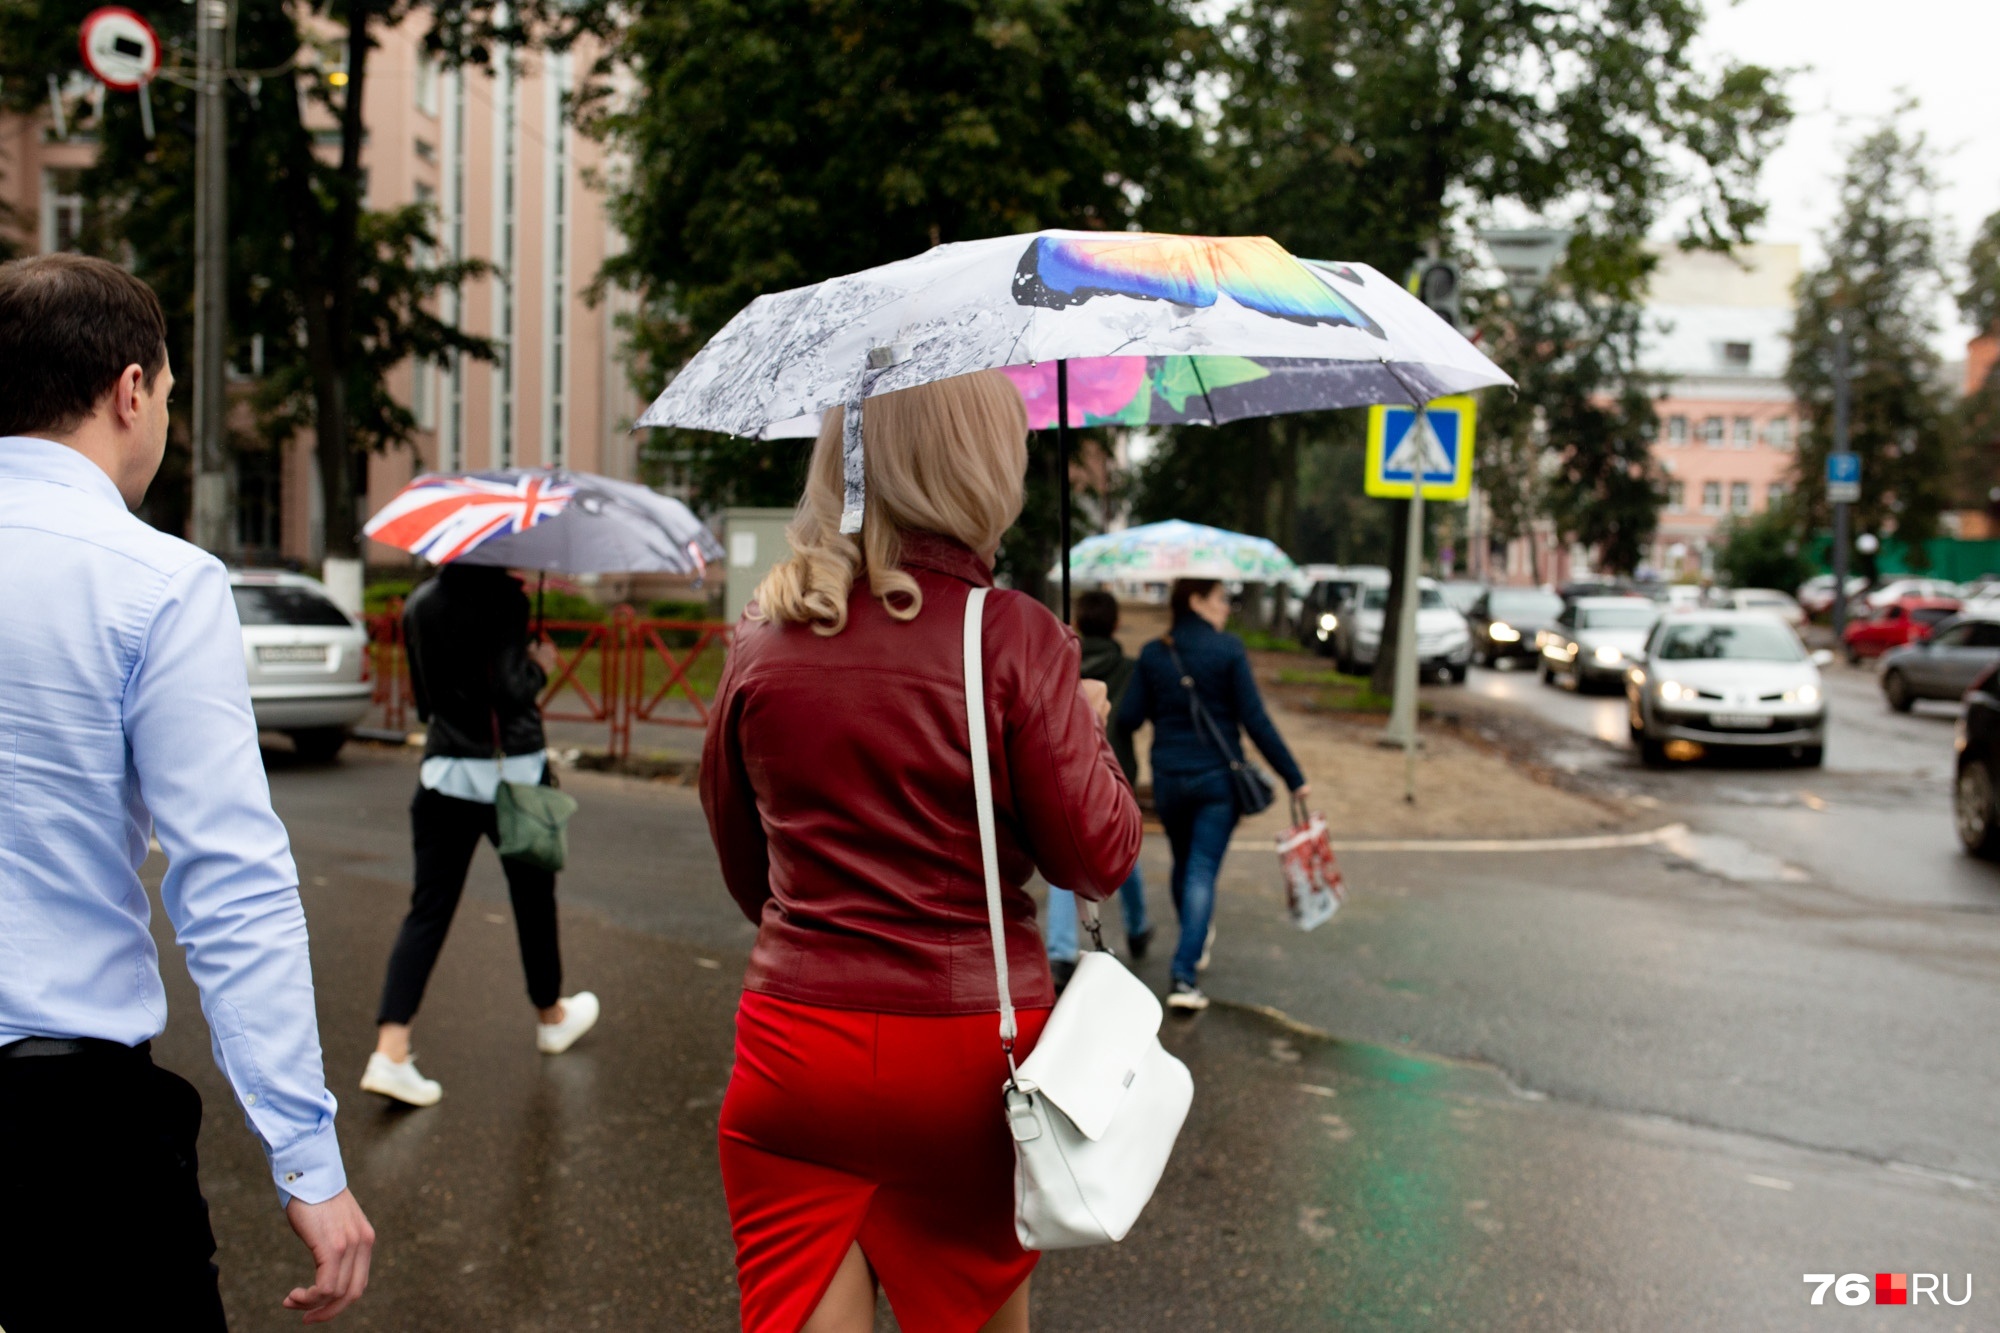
[(1676, 497), (62, 208), (1739, 497), (1711, 432), (428, 84), (1711, 497), (426, 150), (1774, 494), (1778, 430), (1743, 432), (1736, 356), (1677, 430)]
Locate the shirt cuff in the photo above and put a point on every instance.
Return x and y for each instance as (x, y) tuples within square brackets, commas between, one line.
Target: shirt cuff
[(310, 1169)]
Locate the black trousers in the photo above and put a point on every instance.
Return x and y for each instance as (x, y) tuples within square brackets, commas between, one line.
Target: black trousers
[(102, 1223), (445, 832)]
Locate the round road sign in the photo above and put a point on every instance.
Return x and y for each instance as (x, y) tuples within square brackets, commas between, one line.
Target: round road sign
[(120, 48)]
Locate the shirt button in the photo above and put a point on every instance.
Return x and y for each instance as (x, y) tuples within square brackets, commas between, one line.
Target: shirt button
[(290, 1176)]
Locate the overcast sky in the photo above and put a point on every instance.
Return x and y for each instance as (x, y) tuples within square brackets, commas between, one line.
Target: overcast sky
[(1860, 57)]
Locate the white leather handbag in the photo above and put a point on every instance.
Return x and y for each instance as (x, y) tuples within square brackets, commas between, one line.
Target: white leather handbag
[(1095, 1109)]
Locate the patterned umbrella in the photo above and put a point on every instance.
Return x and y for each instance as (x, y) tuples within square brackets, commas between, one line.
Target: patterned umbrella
[(547, 519), (1157, 552)]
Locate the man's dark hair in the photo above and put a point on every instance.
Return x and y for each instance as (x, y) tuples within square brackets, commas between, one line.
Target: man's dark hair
[(69, 325), (1186, 590), (1096, 614)]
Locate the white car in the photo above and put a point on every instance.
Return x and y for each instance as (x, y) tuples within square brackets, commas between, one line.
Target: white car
[(1897, 589), (1727, 678), (307, 660), (1444, 640), (1768, 600)]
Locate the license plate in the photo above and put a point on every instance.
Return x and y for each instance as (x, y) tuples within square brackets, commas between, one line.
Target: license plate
[(1740, 721), (290, 654)]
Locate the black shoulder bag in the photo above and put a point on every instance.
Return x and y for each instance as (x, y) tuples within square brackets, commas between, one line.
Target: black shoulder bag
[(1254, 792)]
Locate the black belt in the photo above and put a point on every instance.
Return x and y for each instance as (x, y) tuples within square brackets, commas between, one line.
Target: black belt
[(32, 1046)]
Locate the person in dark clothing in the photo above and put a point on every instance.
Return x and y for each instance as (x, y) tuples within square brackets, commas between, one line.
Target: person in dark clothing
[(1192, 789), (1103, 659), (477, 681)]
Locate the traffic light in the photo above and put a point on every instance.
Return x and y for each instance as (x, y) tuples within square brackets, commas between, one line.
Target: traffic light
[(1435, 283)]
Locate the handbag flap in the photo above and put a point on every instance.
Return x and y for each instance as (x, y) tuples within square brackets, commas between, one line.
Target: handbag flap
[(1094, 1042)]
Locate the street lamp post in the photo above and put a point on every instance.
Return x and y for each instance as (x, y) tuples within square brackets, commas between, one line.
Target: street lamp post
[(211, 312)]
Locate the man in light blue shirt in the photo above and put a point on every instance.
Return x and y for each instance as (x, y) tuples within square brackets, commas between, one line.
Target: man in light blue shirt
[(125, 715)]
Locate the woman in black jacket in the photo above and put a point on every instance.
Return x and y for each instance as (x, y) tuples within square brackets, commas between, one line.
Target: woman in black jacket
[(1192, 788)]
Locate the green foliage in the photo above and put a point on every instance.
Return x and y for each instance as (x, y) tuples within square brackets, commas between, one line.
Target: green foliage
[(1263, 641), (673, 610), (382, 594), (1881, 278), (1763, 551), (1979, 299)]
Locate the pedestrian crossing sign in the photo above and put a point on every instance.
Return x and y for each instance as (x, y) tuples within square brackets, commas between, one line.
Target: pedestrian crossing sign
[(1393, 445)]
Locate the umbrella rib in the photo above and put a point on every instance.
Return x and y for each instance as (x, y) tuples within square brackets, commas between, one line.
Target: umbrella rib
[(1194, 364)]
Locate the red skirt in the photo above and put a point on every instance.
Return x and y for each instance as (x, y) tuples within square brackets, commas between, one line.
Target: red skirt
[(841, 1126)]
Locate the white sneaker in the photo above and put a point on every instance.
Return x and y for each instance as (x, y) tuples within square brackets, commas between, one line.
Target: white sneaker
[(1184, 996), (400, 1081), (579, 1016), (1207, 947)]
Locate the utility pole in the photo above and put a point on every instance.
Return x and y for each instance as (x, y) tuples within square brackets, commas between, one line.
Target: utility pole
[(1842, 395), (213, 530), (1402, 728)]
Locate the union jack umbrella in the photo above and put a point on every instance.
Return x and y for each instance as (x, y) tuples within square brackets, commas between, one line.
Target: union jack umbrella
[(545, 518)]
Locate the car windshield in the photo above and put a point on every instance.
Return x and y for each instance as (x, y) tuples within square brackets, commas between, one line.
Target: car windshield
[(1378, 598), (1931, 615), (1734, 641), (273, 604), (1615, 617), (1524, 605)]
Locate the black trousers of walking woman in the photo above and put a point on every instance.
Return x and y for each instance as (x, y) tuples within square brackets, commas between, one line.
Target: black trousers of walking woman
[(446, 831)]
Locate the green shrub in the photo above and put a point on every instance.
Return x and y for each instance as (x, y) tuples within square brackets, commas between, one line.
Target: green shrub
[(382, 593), (668, 610)]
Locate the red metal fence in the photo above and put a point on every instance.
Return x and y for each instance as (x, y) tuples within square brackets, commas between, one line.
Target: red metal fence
[(617, 672)]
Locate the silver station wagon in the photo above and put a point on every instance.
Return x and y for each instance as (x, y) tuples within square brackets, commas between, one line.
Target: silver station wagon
[(306, 658)]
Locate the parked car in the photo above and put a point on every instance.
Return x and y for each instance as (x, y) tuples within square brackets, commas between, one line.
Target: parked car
[(1816, 593), (1505, 621), (1595, 640), (307, 661), (1897, 589), (1906, 620), (1460, 594), (1730, 678), (1977, 775), (1444, 647), (1942, 665), (1331, 591), (1769, 600)]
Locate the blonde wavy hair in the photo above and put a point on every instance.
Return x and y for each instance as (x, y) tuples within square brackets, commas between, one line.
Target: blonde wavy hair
[(947, 457)]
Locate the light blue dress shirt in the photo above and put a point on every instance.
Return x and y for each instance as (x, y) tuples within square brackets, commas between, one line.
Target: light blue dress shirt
[(124, 714)]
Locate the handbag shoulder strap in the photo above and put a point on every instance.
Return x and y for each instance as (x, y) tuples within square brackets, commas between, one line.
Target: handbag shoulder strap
[(982, 791), (1203, 722)]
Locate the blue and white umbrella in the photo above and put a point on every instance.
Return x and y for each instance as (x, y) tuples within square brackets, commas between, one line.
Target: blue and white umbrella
[(1158, 552)]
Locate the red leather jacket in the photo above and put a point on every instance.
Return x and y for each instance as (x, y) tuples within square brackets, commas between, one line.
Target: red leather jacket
[(837, 777)]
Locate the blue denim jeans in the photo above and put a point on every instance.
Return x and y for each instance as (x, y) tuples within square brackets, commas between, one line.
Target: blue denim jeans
[(1199, 812), (1062, 916)]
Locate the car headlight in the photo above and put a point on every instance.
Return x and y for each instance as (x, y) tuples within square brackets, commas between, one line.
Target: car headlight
[(1803, 694), (1329, 621), (1502, 633), (1606, 655), (1672, 692)]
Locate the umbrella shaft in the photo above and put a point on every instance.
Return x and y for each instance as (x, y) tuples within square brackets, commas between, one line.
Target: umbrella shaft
[(1062, 473)]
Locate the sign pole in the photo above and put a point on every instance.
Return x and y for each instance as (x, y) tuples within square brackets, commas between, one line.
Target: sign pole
[(1402, 728), (211, 317), (1841, 407)]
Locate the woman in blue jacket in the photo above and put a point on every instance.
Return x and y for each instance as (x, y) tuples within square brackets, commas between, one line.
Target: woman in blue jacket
[(1192, 789)]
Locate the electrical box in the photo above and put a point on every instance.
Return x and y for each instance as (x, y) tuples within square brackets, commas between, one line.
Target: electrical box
[(755, 541)]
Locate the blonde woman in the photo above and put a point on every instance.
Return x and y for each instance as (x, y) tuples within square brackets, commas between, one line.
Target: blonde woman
[(862, 1137)]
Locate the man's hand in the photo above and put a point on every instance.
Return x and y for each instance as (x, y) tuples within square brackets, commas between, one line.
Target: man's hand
[(1098, 697), (341, 1241), (543, 654)]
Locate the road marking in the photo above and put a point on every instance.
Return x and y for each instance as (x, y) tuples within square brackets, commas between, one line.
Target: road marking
[(1769, 1182), (1588, 843)]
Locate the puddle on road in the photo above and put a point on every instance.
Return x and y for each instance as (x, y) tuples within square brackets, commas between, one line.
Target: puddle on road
[(1729, 858)]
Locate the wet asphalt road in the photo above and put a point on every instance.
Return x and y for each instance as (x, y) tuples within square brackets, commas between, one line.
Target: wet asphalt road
[(1645, 1088)]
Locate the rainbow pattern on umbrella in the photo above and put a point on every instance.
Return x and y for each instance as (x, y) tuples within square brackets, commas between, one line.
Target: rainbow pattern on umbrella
[(1056, 273), (442, 517)]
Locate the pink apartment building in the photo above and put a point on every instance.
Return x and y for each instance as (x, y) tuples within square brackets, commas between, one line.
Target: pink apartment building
[(510, 180)]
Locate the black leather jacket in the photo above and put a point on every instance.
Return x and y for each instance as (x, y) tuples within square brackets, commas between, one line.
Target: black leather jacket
[(467, 636)]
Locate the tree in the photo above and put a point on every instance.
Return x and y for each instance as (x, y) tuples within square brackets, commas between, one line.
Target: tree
[(773, 143), (1762, 551), (1881, 279), (338, 293), (1370, 129), (1977, 423)]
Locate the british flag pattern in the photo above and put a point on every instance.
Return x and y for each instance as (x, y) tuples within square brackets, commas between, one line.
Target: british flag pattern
[(445, 515)]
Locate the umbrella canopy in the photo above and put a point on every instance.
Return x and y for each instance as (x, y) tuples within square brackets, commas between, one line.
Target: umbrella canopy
[(1156, 552), (547, 519), (1173, 328)]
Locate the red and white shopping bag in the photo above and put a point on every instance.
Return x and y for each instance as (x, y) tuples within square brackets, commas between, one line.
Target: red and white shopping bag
[(1314, 889)]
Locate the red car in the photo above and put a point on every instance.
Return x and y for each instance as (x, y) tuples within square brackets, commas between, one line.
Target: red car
[(1905, 620)]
